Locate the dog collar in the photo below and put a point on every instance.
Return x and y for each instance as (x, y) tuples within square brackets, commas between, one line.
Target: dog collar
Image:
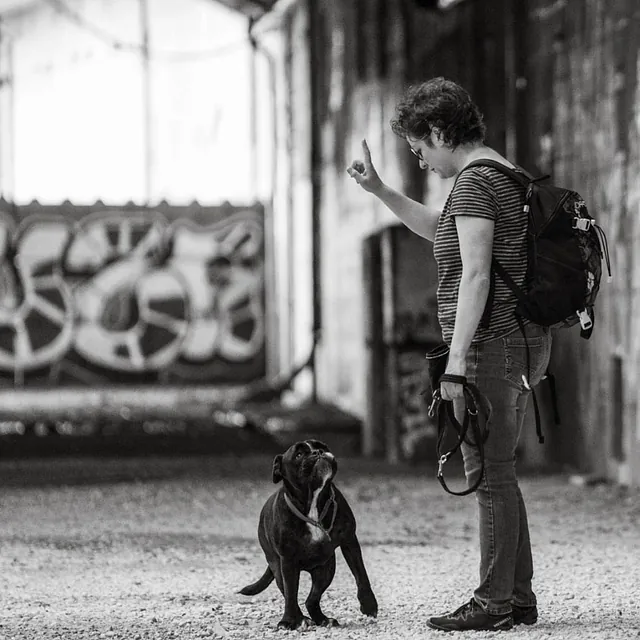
[(331, 501)]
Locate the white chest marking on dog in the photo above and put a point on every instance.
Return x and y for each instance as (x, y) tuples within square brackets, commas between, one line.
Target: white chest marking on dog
[(316, 534)]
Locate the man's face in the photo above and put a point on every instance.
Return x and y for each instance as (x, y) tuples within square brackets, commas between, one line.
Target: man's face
[(433, 154)]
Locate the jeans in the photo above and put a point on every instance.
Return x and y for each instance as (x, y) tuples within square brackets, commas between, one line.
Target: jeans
[(496, 368)]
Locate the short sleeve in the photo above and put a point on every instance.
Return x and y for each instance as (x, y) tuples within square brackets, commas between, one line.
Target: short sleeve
[(474, 195)]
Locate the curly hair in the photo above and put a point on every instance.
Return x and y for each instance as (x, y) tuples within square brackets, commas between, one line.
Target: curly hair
[(441, 104)]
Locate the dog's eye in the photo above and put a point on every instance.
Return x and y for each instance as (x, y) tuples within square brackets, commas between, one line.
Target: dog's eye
[(298, 455)]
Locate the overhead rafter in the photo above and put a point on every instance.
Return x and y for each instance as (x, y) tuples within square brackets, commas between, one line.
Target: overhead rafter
[(251, 8)]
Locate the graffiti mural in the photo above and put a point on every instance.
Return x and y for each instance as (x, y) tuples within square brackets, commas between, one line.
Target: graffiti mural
[(131, 294)]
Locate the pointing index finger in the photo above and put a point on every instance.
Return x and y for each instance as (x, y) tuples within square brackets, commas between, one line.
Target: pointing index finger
[(367, 153)]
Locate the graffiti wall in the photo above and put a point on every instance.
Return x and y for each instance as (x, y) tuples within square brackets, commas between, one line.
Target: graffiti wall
[(119, 295)]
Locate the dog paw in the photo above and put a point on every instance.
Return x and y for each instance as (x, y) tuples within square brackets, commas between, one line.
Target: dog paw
[(289, 624), (330, 622), (368, 604)]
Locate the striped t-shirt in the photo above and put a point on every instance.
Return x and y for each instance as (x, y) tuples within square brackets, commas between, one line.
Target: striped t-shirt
[(486, 193)]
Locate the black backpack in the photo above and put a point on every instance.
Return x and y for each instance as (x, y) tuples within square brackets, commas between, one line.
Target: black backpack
[(565, 248)]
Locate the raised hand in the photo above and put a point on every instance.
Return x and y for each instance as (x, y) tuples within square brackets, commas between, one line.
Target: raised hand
[(364, 173)]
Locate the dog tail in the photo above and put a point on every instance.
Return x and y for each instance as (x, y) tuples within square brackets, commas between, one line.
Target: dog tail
[(258, 586)]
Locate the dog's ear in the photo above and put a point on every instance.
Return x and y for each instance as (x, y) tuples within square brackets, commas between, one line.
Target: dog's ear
[(277, 468), (317, 444)]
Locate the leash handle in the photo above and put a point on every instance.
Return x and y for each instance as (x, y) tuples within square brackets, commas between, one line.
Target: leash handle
[(444, 411)]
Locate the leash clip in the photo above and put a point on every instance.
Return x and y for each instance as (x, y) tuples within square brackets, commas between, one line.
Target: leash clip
[(435, 401), (441, 462)]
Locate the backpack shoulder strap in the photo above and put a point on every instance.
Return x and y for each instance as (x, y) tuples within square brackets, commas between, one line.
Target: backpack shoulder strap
[(518, 174), (524, 179)]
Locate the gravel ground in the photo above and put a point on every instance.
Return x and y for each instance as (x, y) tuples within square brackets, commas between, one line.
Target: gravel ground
[(156, 548)]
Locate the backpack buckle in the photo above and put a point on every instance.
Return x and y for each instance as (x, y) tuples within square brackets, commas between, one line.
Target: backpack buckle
[(585, 320), (582, 224)]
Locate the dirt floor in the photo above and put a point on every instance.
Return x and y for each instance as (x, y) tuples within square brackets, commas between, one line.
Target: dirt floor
[(156, 548)]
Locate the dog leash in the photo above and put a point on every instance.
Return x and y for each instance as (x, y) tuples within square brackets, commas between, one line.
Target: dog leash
[(325, 510), (444, 411)]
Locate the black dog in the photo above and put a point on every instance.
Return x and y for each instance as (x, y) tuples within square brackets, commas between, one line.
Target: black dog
[(301, 525)]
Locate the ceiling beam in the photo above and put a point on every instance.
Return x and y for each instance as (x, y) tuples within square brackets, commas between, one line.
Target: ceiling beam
[(250, 8), (253, 8)]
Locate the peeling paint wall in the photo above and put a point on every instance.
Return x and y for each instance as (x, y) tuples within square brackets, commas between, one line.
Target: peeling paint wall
[(558, 83), (376, 49), (282, 38), (583, 74)]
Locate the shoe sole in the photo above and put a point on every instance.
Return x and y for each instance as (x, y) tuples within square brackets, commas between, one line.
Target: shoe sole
[(526, 619), (527, 623), (503, 627)]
